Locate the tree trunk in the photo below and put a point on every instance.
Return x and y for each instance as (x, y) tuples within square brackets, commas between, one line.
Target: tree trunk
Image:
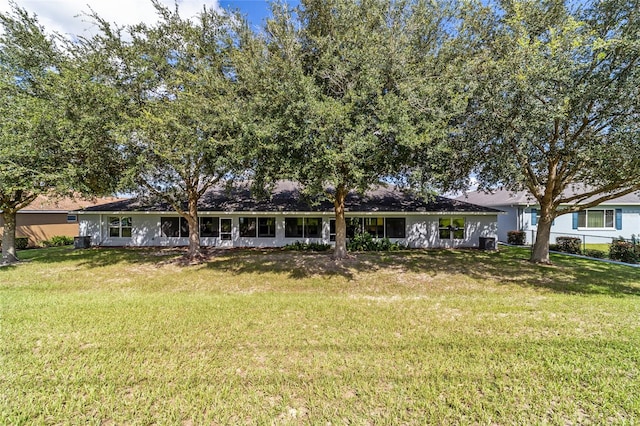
[(540, 252), (340, 251), (9, 237), (194, 252)]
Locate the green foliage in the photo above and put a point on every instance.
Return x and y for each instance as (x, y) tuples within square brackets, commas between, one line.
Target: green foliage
[(346, 93), (571, 245), (32, 159), (556, 83), (624, 251), (20, 244), (516, 238), (302, 246), (363, 241), (47, 143), (178, 132), (58, 241), (598, 254)]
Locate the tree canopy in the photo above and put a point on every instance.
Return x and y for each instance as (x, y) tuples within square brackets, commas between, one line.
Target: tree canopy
[(346, 94), (47, 122), (557, 106), (337, 95), (180, 124)]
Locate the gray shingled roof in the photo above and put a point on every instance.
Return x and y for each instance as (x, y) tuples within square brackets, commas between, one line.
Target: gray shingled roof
[(287, 198), (501, 197)]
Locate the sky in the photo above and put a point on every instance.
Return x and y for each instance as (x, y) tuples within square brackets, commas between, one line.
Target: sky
[(63, 15)]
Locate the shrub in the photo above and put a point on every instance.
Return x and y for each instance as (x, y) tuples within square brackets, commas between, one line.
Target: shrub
[(624, 251), (21, 243), (301, 246), (363, 241), (58, 241), (516, 238), (598, 254), (569, 245)]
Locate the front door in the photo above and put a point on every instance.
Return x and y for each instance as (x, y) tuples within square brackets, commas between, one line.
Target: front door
[(225, 230)]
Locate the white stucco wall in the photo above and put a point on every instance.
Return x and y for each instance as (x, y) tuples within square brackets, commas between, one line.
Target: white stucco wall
[(421, 230), (563, 225), (507, 222)]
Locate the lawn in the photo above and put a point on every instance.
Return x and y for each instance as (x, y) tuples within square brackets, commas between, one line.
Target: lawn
[(116, 336)]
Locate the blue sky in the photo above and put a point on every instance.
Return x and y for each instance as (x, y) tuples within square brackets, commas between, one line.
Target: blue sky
[(63, 15), (256, 11)]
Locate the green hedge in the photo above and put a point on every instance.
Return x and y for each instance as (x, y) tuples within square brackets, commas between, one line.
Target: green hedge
[(21, 243), (571, 245), (516, 238), (363, 241), (300, 246), (624, 251), (58, 241)]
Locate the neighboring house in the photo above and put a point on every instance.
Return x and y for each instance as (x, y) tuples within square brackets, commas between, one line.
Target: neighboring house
[(615, 218), (235, 219), (47, 217)]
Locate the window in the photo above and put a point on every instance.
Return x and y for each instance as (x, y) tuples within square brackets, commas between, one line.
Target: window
[(354, 226), (266, 227), (225, 229), (72, 218), (535, 217), (174, 227), (374, 226), (209, 226), (332, 230), (378, 227), (395, 227), (451, 228), (248, 227), (120, 227), (298, 227), (313, 227), (596, 219), (293, 227)]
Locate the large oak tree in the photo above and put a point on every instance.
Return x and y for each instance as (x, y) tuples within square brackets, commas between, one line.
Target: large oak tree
[(346, 94), (52, 139), (180, 125), (557, 109)]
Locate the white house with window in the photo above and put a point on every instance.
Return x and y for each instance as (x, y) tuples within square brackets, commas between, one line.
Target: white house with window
[(615, 218), (236, 219)]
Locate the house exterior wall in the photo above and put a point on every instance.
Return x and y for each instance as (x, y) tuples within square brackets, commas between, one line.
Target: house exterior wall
[(421, 230), (564, 225), (39, 227), (508, 222)]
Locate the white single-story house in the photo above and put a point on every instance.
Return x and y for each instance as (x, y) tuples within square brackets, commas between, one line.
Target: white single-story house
[(236, 219), (619, 217)]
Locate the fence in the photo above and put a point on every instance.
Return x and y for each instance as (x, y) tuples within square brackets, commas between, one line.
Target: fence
[(588, 241)]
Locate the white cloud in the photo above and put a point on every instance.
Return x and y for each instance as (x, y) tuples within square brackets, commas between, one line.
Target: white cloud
[(66, 16)]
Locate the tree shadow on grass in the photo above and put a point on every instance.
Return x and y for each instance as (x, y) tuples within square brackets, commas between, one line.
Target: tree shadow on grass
[(98, 256), (506, 267), (568, 275), (509, 266)]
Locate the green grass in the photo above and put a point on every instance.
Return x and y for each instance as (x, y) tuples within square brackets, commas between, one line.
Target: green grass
[(601, 247), (270, 337)]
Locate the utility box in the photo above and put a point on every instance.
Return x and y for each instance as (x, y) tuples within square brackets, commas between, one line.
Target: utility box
[(81, 242), (488, 243)]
